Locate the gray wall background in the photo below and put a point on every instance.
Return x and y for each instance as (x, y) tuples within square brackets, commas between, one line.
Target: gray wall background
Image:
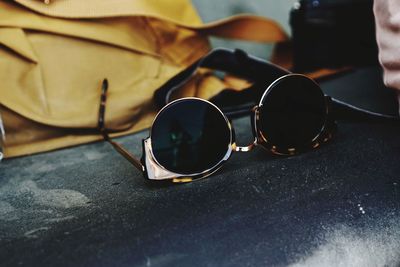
[(278, 10)]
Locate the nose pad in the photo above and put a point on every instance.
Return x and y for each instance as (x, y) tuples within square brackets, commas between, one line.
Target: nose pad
[(237, 148)]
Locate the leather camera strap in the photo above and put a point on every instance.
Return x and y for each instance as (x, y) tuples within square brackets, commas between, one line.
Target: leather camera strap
[(261, 73)]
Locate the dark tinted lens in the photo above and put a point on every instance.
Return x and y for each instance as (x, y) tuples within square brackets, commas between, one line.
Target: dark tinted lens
[(190, 136), (292, 112)]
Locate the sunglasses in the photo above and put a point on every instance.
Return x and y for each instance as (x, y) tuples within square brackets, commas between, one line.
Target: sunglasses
[(191, 138)]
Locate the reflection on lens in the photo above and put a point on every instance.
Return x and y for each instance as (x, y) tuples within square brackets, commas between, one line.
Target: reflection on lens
[(292, 112), (190, 136)]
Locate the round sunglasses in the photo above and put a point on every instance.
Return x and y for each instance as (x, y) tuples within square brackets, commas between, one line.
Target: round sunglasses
[(191, 138)]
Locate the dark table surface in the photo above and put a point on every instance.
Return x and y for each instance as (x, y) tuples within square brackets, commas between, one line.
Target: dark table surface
[(335, 206)]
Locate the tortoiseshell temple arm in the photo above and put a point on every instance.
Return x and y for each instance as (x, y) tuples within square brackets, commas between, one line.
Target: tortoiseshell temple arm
[(129, 156), (2, 138)]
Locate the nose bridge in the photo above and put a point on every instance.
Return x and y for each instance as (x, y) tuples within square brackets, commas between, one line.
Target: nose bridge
[(247, 148)]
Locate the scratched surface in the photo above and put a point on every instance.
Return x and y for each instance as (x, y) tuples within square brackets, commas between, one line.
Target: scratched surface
[(338, 205)]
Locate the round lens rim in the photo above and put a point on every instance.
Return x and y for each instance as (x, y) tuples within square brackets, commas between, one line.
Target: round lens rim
[(207, 172), (322, 136)]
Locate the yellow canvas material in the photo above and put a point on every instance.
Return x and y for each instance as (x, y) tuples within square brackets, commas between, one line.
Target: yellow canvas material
[(54, 56)]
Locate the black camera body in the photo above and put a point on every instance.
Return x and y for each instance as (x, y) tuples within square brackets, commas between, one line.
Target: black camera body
[(333, 33)]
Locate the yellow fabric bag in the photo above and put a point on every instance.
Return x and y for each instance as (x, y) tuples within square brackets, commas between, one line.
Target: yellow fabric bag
[(53, 57)]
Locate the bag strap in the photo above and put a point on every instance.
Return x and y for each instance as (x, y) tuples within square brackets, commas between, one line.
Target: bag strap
[(235, 62)]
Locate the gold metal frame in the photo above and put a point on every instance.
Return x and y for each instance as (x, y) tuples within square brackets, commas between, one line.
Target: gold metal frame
[(324, 135), (155, 170)]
